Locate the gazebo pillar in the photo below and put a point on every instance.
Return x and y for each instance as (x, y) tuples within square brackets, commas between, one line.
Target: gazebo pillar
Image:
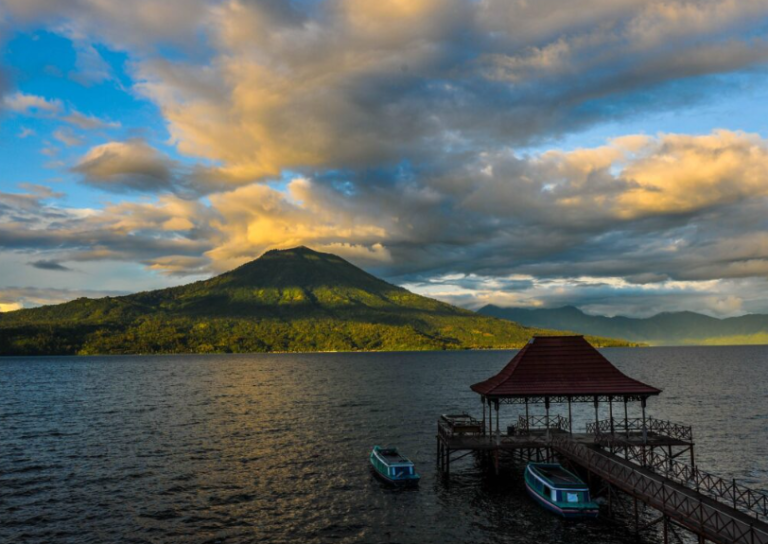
[(597, 416), (570, 416), (645, 430), (497, 418), (482, 399), (546, 408), (610, 412), (626, 417), (527, 426), (490, 418)]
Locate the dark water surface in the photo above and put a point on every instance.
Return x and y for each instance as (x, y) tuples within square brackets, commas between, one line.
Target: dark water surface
[(273, 448)]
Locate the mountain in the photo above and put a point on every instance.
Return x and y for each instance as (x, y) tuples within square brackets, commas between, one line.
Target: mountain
[(291, 300), (670, 328)]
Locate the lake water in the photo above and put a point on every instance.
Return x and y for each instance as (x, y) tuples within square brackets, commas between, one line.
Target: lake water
[(273, 448)]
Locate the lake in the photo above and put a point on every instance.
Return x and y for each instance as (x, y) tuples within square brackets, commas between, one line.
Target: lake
[(273, 447)]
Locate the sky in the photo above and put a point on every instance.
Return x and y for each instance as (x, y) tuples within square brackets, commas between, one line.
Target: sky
[(607, 154)]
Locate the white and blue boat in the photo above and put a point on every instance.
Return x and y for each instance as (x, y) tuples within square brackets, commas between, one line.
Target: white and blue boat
[(559, 491), (392, 467)]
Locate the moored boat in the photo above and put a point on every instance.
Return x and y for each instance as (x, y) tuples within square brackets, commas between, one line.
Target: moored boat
[(559, 491), (389, 465)]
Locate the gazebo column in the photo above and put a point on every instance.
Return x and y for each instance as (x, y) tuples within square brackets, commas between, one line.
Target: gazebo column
[(597, 416), (482, 399), (497, 418), (645, 430), (610, 412), (490, 418), (546, 408), (527, 426), (570, 416), (626, 417)]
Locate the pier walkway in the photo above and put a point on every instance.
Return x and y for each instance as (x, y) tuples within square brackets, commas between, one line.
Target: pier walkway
[(708, 517)]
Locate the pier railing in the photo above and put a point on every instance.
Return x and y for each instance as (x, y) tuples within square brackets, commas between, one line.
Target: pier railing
[(527, 424), (459, 425), (668, 496), (727, 491), (658, 426)]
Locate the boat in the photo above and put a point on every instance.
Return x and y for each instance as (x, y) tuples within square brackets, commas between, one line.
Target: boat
[(559, 491), (392, 467)]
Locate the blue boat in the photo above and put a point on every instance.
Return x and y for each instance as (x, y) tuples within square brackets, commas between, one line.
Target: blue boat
[(389, 465), (559, 491)]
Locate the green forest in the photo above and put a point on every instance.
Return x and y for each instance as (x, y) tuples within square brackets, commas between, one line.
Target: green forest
[(291, 300)]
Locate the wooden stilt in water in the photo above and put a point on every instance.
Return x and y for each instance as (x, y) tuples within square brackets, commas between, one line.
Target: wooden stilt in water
[(637, 517), (610, 501)]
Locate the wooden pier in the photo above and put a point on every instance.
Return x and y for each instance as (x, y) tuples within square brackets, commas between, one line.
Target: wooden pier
[(649, 462)]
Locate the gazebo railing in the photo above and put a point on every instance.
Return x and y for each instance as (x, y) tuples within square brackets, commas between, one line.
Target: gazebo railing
[(527, 424), (658, 426)]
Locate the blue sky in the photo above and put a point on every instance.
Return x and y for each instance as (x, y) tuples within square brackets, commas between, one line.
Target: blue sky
[(609, 156)]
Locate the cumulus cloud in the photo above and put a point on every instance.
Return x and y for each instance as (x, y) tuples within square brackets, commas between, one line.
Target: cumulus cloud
[(132, 165), (141, 23), (353, 84), (646, 209), (401, 124)]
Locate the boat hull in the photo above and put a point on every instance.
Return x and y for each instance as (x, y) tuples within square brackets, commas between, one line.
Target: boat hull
[(568, 513), (410, 482)]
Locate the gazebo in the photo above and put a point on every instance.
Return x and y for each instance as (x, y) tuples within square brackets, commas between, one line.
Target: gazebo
[(561, 369)]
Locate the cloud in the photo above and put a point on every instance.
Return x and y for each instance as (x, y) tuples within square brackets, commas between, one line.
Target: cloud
[(15, 298), (357, 84), (89, 122), (30, 104), (66, 136), (50, 265), (403, 127), (141, 24), (132, 165)]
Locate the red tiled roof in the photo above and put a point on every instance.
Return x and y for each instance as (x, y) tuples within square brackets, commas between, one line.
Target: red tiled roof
[(560, 365)]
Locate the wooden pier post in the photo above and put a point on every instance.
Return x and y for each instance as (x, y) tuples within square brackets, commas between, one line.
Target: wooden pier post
[(637, 517), (570, 416)]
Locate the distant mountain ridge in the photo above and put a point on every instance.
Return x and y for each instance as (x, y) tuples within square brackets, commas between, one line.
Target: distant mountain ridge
[(289, 300), (669, 328)]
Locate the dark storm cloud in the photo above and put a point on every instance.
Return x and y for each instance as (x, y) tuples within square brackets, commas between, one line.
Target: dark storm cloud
[(50, 265)]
